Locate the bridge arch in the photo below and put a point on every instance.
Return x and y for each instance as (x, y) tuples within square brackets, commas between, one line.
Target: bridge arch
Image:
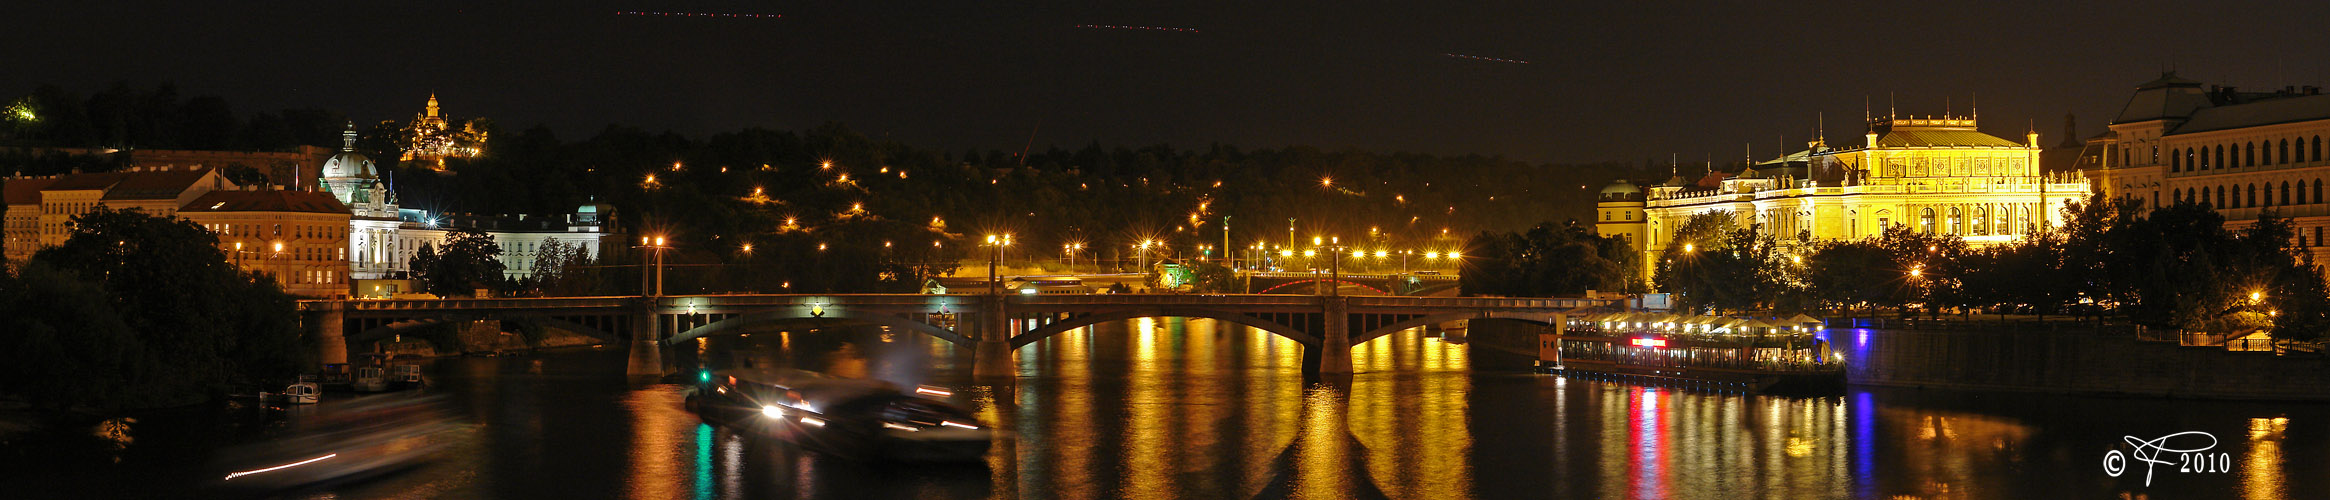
[(755, 320), (383, 331), (1319, 280), (1420, 321), (1080, 321)]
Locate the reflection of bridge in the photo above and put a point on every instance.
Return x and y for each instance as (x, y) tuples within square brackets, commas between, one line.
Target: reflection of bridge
[(1327, 327)]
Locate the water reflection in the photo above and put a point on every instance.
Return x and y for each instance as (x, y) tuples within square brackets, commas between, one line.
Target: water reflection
[(1175, 408)]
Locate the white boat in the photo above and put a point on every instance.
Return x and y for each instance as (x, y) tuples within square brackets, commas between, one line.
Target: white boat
[(303, 393)]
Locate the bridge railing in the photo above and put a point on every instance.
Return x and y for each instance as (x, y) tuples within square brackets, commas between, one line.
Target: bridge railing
[(1563, 303), (1168, 299), (489, 304)]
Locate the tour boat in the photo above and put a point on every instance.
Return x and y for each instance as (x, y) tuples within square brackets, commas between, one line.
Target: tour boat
[(1717, 352), (851, 418)]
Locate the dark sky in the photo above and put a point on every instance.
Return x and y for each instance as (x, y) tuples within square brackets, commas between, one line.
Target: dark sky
[(1604, 80)]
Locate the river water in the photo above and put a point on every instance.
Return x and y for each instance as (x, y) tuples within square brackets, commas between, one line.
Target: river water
[(1174, 408)]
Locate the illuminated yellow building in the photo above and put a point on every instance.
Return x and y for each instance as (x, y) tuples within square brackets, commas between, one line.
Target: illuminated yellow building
[(2241, 153), (1938, 175), (432, 140)]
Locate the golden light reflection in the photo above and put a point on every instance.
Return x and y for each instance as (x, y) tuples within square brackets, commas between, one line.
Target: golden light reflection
[(2261, 461), (657, 422)]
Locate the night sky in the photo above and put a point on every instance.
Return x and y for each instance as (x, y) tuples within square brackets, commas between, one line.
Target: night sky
[(1603, 80)]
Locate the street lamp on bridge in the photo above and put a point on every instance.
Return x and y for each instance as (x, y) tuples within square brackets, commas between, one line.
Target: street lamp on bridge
[(656, 244)]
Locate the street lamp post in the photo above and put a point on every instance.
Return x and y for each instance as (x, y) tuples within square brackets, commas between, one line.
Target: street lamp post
[(655, 244), (995, 280)]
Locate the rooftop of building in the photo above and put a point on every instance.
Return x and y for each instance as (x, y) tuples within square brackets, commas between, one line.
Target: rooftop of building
[(266, 201), (135, 183)]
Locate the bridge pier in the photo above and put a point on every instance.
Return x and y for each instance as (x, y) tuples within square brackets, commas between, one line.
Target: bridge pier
[(646, 340), (325, 319), (1334, 350), (991, 353)]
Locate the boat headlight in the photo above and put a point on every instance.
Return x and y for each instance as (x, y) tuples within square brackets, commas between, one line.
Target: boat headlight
[(951, 423), (772, 411)]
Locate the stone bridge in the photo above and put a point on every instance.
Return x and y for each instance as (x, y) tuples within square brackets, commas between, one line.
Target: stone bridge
[(992, 326)]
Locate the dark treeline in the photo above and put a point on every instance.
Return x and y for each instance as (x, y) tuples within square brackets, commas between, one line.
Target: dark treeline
[(124, 117), (2176, 267), (136, 311)]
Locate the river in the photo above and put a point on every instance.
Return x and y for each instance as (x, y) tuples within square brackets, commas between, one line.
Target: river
[(1174, 408)]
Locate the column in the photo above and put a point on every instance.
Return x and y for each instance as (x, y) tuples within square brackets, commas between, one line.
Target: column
[(1335, 340), (991, 353), (325, 319), (646, 340)]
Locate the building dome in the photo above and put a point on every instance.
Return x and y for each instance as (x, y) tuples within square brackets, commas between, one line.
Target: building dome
[(348, 163), (1621, 187)]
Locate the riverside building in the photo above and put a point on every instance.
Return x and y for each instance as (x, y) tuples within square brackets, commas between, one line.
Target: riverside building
[(2240, 153), (1931, 174)]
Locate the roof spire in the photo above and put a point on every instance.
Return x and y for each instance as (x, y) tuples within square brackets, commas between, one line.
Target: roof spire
[(1976, 100), (348, 137), (1820, 127), (432, 104), (1890, 114), (1867, 122)]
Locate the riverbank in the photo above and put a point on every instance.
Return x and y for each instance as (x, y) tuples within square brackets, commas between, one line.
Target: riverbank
[(2074, 362)]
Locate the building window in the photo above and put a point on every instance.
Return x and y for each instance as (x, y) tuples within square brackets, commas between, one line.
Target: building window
[(1926, 224), (2317, 150), (2220, 158), (2285, 192), (2285, 151), (2317, 235), (2249, 158), (2174, 162), (1957, 221), (1981, 221)]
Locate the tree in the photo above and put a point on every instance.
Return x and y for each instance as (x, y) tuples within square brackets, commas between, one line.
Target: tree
[(469, 260), (65, 343), (1216, 278), (1859, 273), (199, 324), (1547, 260)]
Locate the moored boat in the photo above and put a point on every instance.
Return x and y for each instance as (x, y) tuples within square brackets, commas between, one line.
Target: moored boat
[(1790, 355)]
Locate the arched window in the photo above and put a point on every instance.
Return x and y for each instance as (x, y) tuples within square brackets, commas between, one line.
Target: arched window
[(1925, 224), (2220, 163), (2301, 142), (1957, 221), (1981, 222), (2220, 199), (2317, 190), (2249, 158), (2285, 192), (2285, 151), (2249, 200), (2174, 162), (2317, 153)]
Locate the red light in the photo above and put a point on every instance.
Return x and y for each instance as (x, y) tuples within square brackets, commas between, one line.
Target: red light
[(1650, 342)]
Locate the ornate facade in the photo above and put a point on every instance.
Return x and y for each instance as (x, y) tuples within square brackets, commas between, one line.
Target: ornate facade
[(1931, 174), (2241, 153)]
